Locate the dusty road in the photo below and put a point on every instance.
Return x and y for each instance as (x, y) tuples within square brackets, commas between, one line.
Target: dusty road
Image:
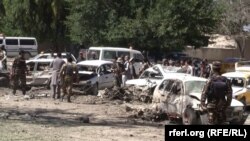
[(88, 118)]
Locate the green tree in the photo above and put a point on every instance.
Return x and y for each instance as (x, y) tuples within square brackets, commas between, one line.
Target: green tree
[(236, 15), (43, 19), (169, 24)]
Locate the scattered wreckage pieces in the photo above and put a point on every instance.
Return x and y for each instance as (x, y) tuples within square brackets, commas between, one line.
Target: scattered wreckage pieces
[(127, 94), (148, 114)]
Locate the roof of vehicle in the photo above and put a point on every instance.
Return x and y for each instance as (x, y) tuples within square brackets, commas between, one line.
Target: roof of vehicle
[(18, 37), (164, 70), (237, 74), (63, 53), (40, 60), (94, 62), (114, 49), (185, 77)]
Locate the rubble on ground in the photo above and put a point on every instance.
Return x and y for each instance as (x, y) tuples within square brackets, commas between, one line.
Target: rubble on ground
[(148, 114), (127, 94)]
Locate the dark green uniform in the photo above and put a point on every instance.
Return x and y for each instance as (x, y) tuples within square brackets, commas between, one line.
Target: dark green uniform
[(69, 73), (19, 74), (216, 105)]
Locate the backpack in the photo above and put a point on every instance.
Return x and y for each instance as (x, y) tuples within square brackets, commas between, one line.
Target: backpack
[(218, 87)]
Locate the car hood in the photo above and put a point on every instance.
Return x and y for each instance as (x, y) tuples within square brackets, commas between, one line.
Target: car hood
[(234, 103), (86, 72), (140, 82), (236, 90)]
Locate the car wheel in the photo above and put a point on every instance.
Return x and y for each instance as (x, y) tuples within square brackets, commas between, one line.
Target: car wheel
[(95, 89), (48, 85), (189, 117), (4, 82)]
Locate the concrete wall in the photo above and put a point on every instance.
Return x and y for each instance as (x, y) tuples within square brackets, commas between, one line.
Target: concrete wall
[(218, 53)]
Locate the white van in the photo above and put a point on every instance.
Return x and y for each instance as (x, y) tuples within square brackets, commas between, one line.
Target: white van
[(14, 44), (108, 53)]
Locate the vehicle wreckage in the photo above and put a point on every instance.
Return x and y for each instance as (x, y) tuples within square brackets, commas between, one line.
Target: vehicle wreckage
[(179, 96)]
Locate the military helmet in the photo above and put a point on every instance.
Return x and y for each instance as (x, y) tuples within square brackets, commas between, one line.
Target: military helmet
[(216, 65), (21, 52)]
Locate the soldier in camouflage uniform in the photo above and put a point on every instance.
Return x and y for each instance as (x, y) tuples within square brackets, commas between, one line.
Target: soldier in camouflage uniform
[(218, 93), (69, 74), (19, 70)]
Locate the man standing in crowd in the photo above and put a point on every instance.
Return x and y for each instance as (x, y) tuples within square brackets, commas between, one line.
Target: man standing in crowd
[(117, 70), (132, 68), (189, 68), (218, 94), (81, 57), (69, 74), (55, 80), (18, 73)]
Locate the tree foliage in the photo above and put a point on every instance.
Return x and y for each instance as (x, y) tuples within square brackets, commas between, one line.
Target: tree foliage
[(146, 24), (236, 15)]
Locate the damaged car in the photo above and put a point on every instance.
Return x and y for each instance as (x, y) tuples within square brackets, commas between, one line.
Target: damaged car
[(240, 80), (40, 72), (179, 96), (94, 75), (155, 74)]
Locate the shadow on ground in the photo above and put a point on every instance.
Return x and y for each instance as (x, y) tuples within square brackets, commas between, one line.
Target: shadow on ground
[(58, 118)]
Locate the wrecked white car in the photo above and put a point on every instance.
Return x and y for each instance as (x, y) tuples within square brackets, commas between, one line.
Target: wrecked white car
[(179, 96), (65, 55), (155, 74), (240, 85), (95, 74), (39, 72)]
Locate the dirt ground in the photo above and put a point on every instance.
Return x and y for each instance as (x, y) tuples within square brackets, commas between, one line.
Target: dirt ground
[(87, 118)]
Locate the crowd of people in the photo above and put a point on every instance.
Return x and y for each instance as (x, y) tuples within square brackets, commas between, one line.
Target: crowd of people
[(65, 73), (124, 69), (199, 68)]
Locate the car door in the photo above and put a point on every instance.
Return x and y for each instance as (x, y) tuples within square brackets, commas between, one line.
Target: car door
[(31, 70), (109, 75), (42, 74), (174, 99), (105, 75)]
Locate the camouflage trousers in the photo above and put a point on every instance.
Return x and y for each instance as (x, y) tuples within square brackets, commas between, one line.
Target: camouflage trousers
[(67, 87), (117, 81), (216, 115), (19, 79)]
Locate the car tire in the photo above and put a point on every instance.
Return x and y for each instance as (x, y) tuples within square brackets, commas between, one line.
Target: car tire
[(95, 89), (48, 86), (189, 117), (4, 82)]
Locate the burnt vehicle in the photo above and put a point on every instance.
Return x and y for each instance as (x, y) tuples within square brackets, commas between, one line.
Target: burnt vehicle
[(94, 75), (179, 96), (40, 72)]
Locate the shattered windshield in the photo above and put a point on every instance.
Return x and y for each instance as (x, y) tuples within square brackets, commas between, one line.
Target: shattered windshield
[(87, 68), (237, 81), (194, 86)]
